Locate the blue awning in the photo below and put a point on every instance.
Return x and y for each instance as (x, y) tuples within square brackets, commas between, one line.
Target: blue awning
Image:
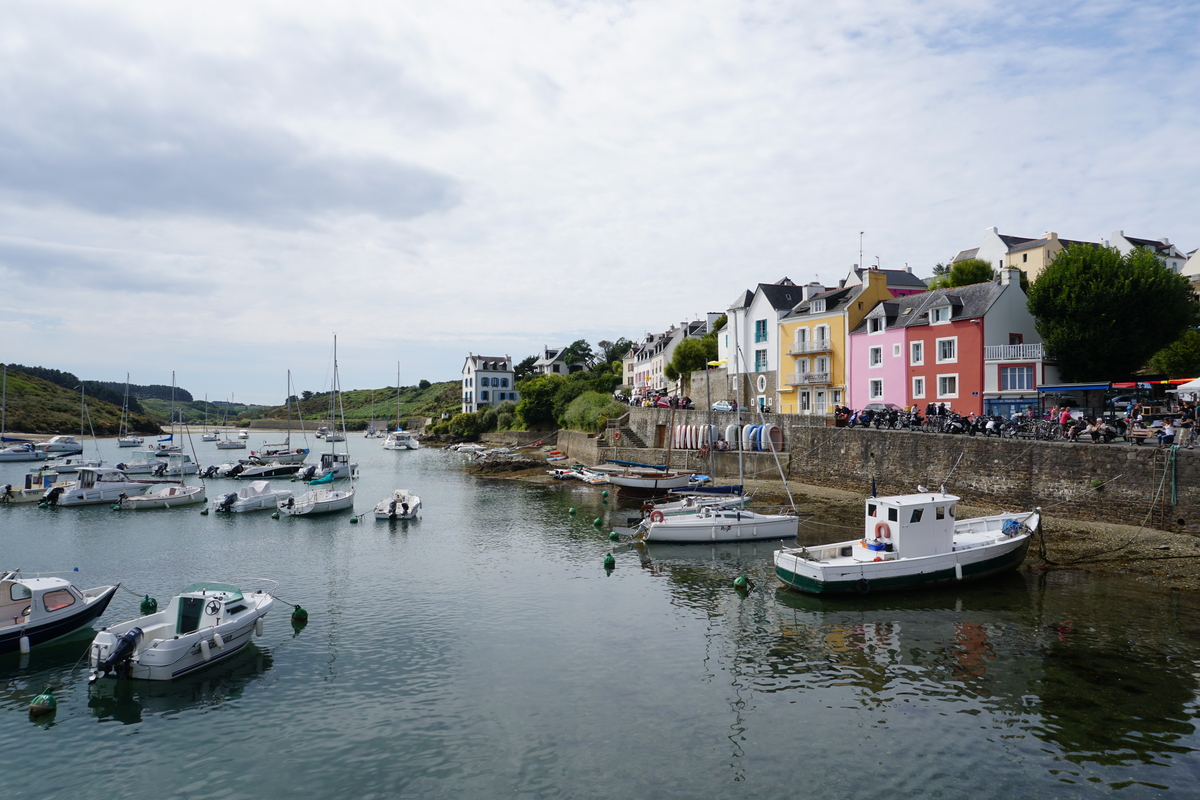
[(1063, 388)]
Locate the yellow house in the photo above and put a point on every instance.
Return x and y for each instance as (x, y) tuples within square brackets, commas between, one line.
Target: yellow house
[(813, 343), (1035, 255)]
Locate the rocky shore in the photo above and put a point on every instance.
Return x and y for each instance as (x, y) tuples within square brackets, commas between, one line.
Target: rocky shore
[(1164, 559)]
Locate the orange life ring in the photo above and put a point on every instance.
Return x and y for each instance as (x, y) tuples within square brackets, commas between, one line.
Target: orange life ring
[(657, 516), (617, 436), (882, 526)]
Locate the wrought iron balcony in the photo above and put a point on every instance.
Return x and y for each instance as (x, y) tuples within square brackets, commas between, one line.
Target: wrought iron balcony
[(814, 346), (807, 378)]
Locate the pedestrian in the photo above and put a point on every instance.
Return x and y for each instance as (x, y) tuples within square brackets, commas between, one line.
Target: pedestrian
[(1166, 436), (1064, 420)]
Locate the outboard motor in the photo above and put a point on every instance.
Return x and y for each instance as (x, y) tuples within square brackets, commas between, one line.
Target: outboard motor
[(160, 470), (236, 470), (226, 502), (209, 471), (122, 652), (307, 473), (52, 494), (122, 466), (392, 509)]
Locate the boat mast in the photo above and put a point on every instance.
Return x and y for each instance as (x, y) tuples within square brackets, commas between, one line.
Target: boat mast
[(4, 405), (397, 396)]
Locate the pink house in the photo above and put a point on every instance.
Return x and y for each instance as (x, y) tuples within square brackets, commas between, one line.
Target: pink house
[(878, 369)]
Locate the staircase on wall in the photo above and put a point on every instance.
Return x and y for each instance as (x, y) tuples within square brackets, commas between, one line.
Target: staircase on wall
[(628, 438)]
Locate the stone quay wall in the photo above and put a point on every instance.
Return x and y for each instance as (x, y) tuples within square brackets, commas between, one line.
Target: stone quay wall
[(1115, 482)]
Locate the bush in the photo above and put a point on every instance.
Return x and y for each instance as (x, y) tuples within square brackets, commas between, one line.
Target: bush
[(487, 420), (466, 425), (590, 411), (505, 420)]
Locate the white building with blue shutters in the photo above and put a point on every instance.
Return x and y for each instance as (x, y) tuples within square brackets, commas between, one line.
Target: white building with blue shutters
[(487, 381)]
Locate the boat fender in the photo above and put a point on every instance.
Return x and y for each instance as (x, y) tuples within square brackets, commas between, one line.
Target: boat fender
[(882, 527), (219, 641), (24, 645), (657, 516), (958, 572), (204, 653), (122, 651), (258, 627)]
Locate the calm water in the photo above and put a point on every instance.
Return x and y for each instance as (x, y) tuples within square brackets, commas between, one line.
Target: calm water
[(483, 651)]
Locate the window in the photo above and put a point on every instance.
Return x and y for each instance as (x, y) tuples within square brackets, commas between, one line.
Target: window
[(817, 307), (941, 314), (60, 598), (893, 515), (918, 388), (556, 368), (804, 401), (837, 397), (20, 592), (822, 333), (822, 365), (483, 396), (504, 383), (1016, 378), (876, 356), (917, 353), (946, 350), (1024, 257), (801, 335), (875, 325), (760, 330), (947, 386), (876, 389), (802, 365), (760, 360), (1016, 338), (916, 515), (895, 351), (941, 512)]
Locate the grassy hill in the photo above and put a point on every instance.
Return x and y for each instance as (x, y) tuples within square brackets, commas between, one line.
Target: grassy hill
[(361, 406), (38, 406)]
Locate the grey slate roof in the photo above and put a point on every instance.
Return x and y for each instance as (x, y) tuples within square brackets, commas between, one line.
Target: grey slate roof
[(1033, 244), (835, 299), (966, 302), (888, 309), (896, 277)]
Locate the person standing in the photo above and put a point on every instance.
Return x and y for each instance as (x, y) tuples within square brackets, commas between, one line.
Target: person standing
[(1064, 420)]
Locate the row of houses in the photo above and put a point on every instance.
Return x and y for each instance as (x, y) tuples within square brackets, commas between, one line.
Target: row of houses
[(880, 336)]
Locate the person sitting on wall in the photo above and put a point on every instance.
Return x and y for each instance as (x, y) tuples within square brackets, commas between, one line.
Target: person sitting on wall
[(1166, 436)]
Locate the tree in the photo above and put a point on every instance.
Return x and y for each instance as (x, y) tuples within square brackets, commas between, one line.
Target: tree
[(537, 400), (691, 355), (306, 395), (1101, 315), (578, 352), (424, 384), (1179, 359), (524, 369), (613, 351), (964, 273)]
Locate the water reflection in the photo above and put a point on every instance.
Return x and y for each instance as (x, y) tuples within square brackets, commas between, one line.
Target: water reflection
[(128, 701)]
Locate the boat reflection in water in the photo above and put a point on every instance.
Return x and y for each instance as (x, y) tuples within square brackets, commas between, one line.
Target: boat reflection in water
[(128, 701)]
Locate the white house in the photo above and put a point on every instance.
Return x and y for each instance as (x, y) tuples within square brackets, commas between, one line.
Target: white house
[(553, 362), (749, 342), (1171, 255), (487, 381)]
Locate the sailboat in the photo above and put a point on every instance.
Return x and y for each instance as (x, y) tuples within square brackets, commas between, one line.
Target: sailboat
[(283, 452), (17, 449), (125, 437), (207, 435), (399, 439), (229, 443), (324, 499)]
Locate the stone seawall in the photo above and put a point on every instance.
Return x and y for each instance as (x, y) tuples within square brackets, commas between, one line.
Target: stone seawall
[(1115, 482)]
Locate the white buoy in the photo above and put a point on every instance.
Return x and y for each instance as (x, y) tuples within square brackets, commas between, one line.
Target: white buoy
[(258, 627), (24, 645), (958, 571), (218, 641), (204, 650)]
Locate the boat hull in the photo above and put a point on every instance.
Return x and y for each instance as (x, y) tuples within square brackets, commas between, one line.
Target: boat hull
[(312, 503), (646, 486), (10, 637), (797, 573), (696, 529)]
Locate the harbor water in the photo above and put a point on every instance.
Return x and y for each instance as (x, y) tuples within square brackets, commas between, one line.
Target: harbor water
[(483, 650)]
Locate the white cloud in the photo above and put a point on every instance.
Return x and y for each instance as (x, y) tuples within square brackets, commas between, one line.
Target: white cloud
[(433, 178)]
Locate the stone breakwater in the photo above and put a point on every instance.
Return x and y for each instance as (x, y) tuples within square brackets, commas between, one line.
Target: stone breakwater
[(1116, 482)]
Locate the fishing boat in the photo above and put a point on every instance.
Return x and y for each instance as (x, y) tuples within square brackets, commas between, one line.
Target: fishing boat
[(36, 485), (401, 504), (93, 486), (717, 525), (254, 496), (203, 625), (34, 609), (910, 541), (170, 495), (321, 497)]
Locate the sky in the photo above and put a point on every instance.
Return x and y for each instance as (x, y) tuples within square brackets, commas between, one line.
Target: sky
[(217, 189)]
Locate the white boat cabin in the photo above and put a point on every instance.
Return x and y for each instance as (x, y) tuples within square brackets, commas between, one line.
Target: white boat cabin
[(908, 526)]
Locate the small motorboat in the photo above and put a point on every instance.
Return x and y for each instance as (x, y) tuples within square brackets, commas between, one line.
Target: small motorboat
[(402, 504), (35, 609), (910, 541), (717, 525), (254, 469), (22, 452), (130, 441), (72, 464), (243, 434), (203, 625), (337, 464), (36, 485), (318, 501), (168, 495), (231, 444), (93, 486), (400, 440), (254, 496), (63, 445)]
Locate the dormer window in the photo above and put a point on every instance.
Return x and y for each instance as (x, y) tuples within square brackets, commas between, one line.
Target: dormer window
[(939, 314), (875, 325), (817, 307)]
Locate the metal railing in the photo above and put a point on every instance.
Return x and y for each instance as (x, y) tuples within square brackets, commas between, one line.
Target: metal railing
[(1013, 352), (806, 378), (815, 346)]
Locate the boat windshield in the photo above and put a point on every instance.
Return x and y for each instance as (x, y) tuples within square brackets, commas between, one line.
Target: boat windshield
[(233, 592)]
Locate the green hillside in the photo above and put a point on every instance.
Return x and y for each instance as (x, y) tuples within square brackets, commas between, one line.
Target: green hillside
[(40, 407)]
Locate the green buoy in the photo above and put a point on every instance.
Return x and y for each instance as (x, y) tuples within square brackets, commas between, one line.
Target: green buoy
[(597, 522), (571, 511), (299, 615), (742, 583), (275, 515), (604, 493), (609, 561), (149, 605), (353, 520), (43, 704), (614, 536), (204, 513), (116, 507)]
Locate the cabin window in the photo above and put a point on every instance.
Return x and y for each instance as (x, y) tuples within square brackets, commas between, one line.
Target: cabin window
[(190, 609), (941, 512), (19, 592), (55, 600), (893, 515), (916, 515), (870, 509)]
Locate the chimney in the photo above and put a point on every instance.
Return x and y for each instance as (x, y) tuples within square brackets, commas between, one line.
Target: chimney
[(908, 269), (1010, 275), (842, 283)]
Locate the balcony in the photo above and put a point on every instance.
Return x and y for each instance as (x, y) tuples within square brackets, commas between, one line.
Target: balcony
[(1013, 352), (804, 348), (806, 378)]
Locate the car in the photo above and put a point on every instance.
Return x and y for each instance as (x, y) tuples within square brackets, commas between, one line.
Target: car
[(722, 405), (1123, 401), (875, 408)]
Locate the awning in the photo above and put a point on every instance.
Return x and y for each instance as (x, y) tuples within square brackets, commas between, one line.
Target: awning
[(1064, 388)]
